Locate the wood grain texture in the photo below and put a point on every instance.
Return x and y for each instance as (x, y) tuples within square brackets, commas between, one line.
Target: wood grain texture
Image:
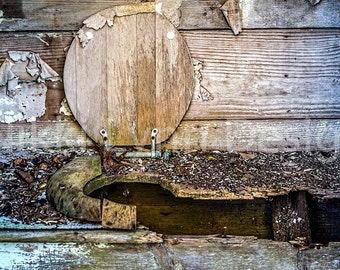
[(43, 134), (258, 135), (263, 74), (230, 135), (33, 15), (128, 79), (258, 75), (51, 46)]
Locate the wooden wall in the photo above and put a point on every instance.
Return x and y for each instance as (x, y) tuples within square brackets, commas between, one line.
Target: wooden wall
[(274, 87)]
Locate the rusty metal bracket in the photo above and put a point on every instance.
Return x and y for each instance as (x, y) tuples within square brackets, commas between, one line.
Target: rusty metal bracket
[(154, 153)]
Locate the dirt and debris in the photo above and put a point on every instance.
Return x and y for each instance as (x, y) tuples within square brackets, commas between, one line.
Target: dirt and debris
[(23, 179), (216, 170), (24, 174)]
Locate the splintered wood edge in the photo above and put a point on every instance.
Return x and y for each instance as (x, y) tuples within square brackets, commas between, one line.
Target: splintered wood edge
[(232, 12)]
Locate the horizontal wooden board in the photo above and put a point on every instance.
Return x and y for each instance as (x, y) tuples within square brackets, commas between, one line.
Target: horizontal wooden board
[(43, 134), (229, 135), (51, 46), (258, 135), (33, 15), (260, 74), (267, 74)]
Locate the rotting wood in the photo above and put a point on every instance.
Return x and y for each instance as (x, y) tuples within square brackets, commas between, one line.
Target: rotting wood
[(324, 212), (33, 15), (160, 211), (290, 217), (65, 191), (233, 14), (116, 215), (181, 191)]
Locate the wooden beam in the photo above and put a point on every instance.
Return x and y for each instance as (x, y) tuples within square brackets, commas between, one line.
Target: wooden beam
[(290, 217), (33, 15), (257, 75), (258, 135), (43, 134), (229, 135)]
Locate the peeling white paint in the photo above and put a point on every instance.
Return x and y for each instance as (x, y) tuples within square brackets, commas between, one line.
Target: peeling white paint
[(22, 86), (201, 93), (64, 108), (84, 37), (1, 16)]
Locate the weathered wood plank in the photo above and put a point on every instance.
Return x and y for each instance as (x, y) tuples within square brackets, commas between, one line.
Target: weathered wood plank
[(85, 256), (43, 134), (267, 73), (22, 15), (259, 74), (27, 15), (51, 46), (290, 217), (258, 135), (230, 135)]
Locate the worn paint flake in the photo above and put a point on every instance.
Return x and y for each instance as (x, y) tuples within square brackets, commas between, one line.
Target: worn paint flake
[(201, 93), (22, 86)]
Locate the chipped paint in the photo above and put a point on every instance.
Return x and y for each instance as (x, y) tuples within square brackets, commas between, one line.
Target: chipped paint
[(201, 93), (1, 16), (84, 36), (22, 86)]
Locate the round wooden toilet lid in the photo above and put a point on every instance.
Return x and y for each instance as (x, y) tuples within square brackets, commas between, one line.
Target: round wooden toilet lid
[(129, 78)]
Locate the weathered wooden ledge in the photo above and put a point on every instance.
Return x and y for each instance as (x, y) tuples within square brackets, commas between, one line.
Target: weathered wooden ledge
[(81, 236)]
